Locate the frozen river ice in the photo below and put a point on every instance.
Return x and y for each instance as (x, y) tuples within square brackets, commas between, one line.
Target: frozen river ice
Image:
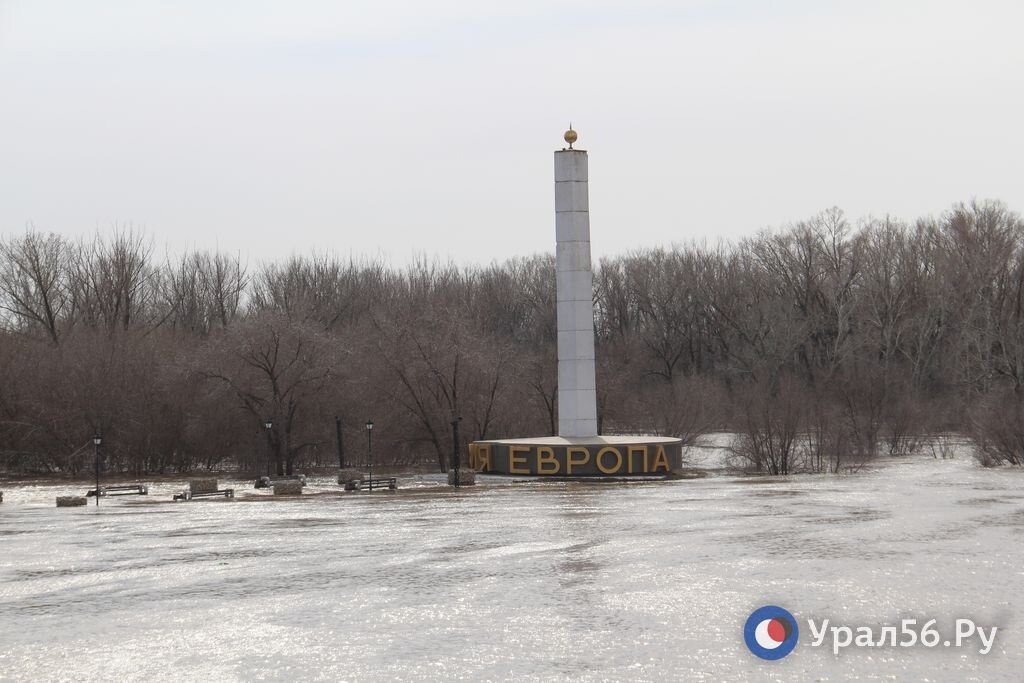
[(512, 581)]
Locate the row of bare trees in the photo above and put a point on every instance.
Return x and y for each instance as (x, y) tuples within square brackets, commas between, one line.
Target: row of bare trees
[(821, 345)]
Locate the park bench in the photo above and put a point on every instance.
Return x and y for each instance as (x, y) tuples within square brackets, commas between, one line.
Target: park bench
[(268, 482), (126, 490), (189, 495), (371, 484)]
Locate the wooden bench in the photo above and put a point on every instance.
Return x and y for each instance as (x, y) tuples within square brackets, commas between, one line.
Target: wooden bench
[(127, 490), (188, 495), (371, 484), (268, 482)]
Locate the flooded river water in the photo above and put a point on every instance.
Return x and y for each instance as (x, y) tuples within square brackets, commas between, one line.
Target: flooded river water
[(514, 581)]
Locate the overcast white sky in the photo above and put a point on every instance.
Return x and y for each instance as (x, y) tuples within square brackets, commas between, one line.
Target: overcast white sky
[(405, 127)]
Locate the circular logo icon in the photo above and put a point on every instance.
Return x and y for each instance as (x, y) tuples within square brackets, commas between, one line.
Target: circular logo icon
[(771, 632)]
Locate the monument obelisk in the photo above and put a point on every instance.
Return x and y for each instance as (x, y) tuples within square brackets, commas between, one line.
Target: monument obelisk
[(577, 450), (574, 287)]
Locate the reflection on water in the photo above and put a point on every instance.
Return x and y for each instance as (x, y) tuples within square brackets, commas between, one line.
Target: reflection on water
[(511, 581)]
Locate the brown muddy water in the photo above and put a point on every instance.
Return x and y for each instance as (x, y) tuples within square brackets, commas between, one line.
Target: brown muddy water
[(503, 581)]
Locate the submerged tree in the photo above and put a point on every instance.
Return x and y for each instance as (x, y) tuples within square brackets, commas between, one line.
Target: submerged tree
[(823, 343), (276, 370)]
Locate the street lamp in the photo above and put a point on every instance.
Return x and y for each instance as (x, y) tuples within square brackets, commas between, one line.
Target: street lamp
[(268, 424), (341, 450), (96, 441), (455, 448), (369, 449)]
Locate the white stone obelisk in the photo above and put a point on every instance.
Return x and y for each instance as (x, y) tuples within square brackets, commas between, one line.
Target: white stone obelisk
[(577, 392)]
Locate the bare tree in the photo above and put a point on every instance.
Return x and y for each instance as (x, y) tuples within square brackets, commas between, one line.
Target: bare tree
[(113, 283), (203, 291), (276, 369), (33, 281)]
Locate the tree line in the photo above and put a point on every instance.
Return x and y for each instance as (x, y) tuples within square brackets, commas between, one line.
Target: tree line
[(821, 345)]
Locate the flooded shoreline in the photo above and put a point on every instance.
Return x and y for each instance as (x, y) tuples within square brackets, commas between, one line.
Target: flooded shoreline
[(640, 581)]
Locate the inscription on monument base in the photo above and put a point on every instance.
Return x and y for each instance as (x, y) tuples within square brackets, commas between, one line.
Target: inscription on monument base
[(576, 460)]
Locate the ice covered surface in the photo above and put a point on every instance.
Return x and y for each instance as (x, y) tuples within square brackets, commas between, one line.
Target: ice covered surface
[(502, 581)]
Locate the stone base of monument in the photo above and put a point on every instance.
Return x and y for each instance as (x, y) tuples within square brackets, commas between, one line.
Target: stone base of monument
[(70, 501), (592, 456)]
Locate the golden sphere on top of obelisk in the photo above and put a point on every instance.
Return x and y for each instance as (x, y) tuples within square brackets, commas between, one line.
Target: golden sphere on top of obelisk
[(570, 136)]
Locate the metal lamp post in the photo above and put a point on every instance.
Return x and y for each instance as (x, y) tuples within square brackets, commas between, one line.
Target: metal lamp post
[(341, 450), (268, 424), (455, 448), (369, 449), (96, 441)]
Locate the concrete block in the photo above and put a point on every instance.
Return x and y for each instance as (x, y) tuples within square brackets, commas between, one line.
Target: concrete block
[(70, 501), (204, 485), (574, 285), (467, 477), (576, 375), (287, 487), (585, 346), (571, 196), (572, 226), (577, 412), (584, 427), (572, 256), (579, 398), (567, 409), (575, 345), (575, 315), (567, 345), (577, 428), (349, 474), (571, 165)]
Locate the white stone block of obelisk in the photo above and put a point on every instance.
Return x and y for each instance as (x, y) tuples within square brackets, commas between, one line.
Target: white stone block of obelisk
[(577, 394)]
